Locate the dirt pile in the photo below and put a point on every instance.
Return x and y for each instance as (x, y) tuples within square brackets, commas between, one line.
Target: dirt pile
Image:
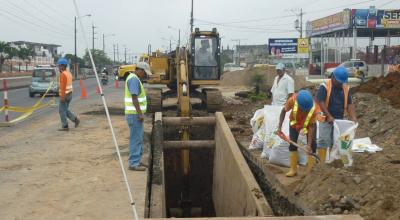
[(370, 187), (386, 87), (244, 77)]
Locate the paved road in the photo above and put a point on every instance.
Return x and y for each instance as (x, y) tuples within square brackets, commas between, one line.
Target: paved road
[(20, 97)]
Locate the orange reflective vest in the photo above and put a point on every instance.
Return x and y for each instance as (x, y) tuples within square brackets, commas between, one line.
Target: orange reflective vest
[(328, 87), (293, 116), (65, 83)]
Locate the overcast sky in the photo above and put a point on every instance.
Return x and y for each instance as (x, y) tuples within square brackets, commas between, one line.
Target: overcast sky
[(139, 23)]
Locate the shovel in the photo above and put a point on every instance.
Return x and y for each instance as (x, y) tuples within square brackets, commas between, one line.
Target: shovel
[(286, 138)]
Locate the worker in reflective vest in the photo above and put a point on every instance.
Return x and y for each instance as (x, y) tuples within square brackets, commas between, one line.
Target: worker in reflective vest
[(65, 93), (334, 98), (135, 107), (302, 118)]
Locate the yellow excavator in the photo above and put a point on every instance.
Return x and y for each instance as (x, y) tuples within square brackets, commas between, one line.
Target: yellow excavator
[(186, 72)]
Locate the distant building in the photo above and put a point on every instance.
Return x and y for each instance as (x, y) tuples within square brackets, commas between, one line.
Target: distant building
[(228, 52), (44, 53), (251, 54)]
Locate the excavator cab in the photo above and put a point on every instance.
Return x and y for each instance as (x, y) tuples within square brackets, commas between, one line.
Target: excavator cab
[(205, 57)]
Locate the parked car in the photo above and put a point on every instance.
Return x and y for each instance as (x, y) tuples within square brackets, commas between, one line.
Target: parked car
[(228, 67), (42, 76), (351, 67)]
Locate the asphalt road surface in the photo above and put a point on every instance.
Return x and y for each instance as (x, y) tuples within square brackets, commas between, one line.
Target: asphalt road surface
[(20, 97)]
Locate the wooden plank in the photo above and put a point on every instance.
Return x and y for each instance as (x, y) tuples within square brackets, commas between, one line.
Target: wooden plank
[(191, 144), (235, 190), (319, 217), (188, 121)]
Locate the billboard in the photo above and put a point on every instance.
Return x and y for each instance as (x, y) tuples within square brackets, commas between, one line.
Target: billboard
[(288, 47), (338, 21), (377, 19)]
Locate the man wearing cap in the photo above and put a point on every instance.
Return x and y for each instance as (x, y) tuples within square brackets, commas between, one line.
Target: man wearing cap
[(135, 107), (334, 98), (283, 86), (303, 116), (65, 93)]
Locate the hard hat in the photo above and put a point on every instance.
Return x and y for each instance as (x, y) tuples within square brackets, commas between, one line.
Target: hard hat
[(144, 66), (341, 74), (280, 66), (62, 61), (305, 100)]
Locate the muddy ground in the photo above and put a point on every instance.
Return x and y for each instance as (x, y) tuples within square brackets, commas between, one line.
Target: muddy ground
[(370, 186)]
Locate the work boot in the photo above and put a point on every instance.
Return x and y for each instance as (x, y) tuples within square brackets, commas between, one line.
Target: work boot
[(310, 163), (77, 122), (293, 164), (137, 168), (322, 154), (64, 129)]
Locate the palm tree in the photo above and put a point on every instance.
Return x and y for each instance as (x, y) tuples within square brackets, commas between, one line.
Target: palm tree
[(3, 49), (26, 55), (11, 52)]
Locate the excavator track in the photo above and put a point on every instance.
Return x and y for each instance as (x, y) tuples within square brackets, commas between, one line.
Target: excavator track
[(154, 100), (212, 99)]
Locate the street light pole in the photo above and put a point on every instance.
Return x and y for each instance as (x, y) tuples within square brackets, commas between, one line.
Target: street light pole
[(75, 53)]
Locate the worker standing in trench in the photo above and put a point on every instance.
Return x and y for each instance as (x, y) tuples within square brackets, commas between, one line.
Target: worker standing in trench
[(334, 98), (65, 93), (135, 107), (283, 86), (303, 117)]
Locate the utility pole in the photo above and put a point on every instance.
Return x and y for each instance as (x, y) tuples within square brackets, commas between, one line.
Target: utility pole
[(170, 46), (117, 52), (191, 19), (93, 33), (301, 23), (104, 44), (114, 52), (125, 54), (179, 38), (75, 56), (238, 49)]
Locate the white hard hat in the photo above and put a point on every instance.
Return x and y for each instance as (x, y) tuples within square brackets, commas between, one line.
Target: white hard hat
[(144, 66), (280, 66)]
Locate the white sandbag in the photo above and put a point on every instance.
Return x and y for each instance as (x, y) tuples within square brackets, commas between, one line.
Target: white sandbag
[(271, 121), (362, 145), (266, 153), (258, 127), (257, 121), (258, 139), (279, 155), (343, 136)]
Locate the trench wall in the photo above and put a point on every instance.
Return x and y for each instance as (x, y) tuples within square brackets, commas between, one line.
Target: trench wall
[(235, 191)]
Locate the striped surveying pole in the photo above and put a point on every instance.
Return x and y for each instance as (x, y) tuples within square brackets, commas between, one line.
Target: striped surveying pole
[(5, 89)]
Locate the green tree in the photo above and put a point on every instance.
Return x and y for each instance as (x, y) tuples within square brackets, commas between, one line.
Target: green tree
[(225, 59), (26, 54), (11, 53), (4, 46), (80, 61), (99, 57)]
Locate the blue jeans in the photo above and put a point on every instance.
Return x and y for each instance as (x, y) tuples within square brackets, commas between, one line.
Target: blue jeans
[(135, 139), (64, 112)]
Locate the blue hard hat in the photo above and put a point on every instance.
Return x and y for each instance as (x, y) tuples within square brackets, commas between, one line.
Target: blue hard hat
[(341, 74), (62, 61), (305, 100)]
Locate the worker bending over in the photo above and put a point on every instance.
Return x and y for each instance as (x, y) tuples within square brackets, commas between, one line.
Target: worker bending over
[(334, 98), (283, 86), (303, 117)]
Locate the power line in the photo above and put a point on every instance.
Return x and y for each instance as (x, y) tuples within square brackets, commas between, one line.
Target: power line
[(34, 17), (31, 23), (44, 12)]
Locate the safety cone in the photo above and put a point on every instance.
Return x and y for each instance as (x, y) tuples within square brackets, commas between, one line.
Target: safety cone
[(97, 90), (83, 89), (116, 84)]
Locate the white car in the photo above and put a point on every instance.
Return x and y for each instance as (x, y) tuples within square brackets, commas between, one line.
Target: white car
[(351, 67), (228, 67)]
